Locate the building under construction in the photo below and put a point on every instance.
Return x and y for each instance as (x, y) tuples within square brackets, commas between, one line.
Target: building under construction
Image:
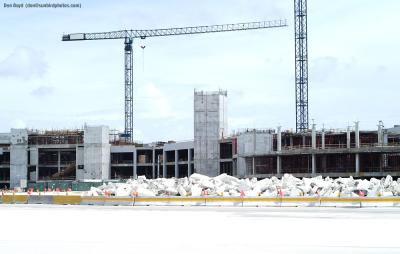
[(96, 153)]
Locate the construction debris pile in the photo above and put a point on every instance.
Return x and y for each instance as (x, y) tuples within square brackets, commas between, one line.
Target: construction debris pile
[(225, 185)]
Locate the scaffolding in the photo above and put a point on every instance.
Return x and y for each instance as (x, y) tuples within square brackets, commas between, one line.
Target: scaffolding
[(55, 137)]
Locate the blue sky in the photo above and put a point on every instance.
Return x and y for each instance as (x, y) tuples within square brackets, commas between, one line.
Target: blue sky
[(50, 84)]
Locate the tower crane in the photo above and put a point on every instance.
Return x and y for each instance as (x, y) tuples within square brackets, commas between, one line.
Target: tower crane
[(129, 35)]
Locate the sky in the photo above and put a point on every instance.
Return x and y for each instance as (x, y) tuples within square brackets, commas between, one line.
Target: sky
[(49, 84)]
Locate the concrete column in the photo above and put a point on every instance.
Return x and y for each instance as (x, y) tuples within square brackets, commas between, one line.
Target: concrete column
[(278, 164), (164, 163), (313, 164), (241, 167), (176, 164), (357, 134), (303, 140), (234, 168), (380, 133), (279, 139), (37, 165), (385, 138), (357, 163), (158, 166), (385, 156), (382, 140), (254, 141), (135, 164), (357, 137), (58, 161), (348, 137), (189, 162), (253, 166), (314, 146), (37, 173), (154, 163), (279, 149), (314, 137), (323, 139)]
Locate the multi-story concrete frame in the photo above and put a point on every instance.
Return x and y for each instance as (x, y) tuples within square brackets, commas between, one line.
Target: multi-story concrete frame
[(327, 153)]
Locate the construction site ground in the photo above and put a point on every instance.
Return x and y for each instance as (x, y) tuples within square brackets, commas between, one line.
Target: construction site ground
[(95, 229)]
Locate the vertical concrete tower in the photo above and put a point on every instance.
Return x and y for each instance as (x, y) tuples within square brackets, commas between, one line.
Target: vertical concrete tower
[(97, 150), (18, 157), (210, 125)]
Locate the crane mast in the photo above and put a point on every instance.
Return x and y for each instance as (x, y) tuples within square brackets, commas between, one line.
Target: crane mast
[(301, 64), (129, 35)]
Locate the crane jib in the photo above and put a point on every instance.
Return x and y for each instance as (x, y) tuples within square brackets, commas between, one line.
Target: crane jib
[(174, 31)]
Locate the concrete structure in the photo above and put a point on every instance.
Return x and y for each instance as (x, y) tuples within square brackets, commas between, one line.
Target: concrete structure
[(251, 143), (210, 125), (152, 160), (89, 155), (96, 153), (18, 157), (328, 153)]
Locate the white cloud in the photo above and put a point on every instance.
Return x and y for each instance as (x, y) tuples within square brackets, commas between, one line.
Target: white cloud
[(156, 105), (24, 63), (19, 124), (322, 68), (42, 91)]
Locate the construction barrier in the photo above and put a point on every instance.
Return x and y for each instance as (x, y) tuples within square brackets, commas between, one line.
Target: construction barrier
[(224, 201), (262, 201), (67, 200), (357, 202), (99, 201), (119, 201), (380, 202), (40, 199), (301, 201), (340, 202), (12, 198), (7, 198), (186, 201), (169, 201)]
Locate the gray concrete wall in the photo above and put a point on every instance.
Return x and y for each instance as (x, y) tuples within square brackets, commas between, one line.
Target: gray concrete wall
[(34, 156), (254, 143), (96, 153), (18, 157), (178, 146), (241, 167), (5, 138), (394, 130), (209, 126), (80, 153), (123, 149)]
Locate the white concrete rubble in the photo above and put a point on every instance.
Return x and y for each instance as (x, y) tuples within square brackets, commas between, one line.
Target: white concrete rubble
[(225, 185)]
